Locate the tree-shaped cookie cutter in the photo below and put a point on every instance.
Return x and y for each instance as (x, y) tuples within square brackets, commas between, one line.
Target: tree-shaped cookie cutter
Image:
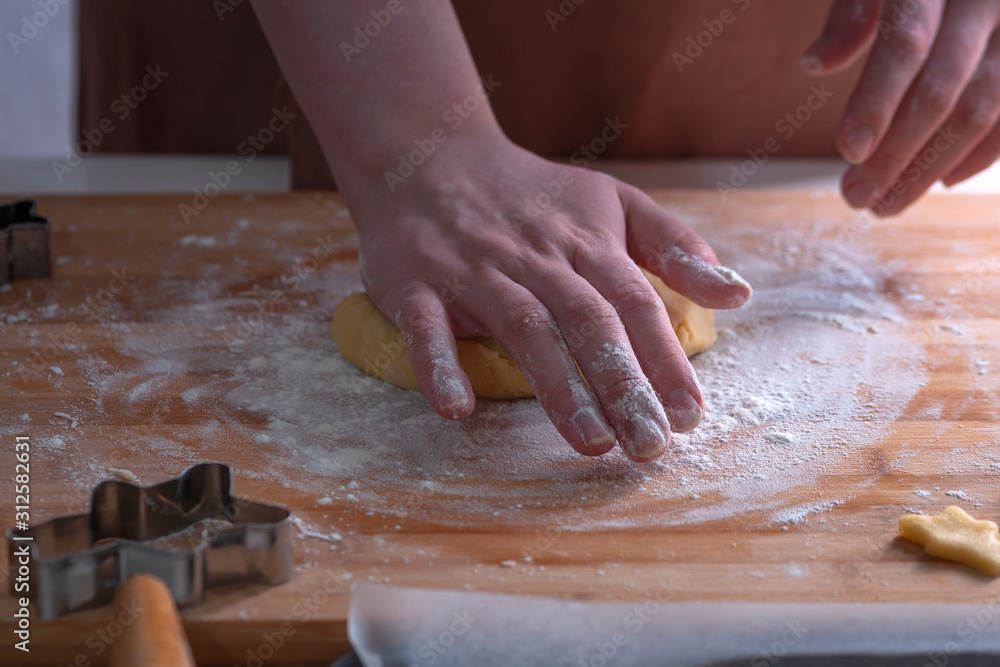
[(188, 531)]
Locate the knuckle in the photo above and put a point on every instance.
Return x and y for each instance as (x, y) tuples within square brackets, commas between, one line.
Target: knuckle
[(637, 296), (976, 116), (692, 244), (935, 96), (563, 391), (529, 317), (630, 384), (591, 308), (911, 41), (421, 326), (671, 364)]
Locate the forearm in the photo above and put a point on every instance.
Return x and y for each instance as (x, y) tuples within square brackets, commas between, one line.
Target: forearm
[(368, 105)]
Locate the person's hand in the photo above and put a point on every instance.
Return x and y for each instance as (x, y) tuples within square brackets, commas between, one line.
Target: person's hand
[(486, 238), (927, 103)]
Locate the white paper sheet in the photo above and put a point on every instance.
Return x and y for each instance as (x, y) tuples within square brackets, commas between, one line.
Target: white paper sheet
[(391, 626)]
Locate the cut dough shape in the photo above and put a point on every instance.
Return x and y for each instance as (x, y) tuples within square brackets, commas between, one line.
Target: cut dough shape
[(954, 535), (370, 341)]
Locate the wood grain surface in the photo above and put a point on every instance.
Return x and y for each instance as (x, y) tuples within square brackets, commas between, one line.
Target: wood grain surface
[(946, 247)]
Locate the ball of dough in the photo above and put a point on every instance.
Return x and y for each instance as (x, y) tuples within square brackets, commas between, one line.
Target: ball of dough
[(370, 341)]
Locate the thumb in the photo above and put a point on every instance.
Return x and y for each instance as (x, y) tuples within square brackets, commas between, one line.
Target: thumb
[(662, 244), (850, 30)]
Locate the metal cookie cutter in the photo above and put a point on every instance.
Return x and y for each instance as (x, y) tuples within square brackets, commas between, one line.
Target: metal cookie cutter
[(188, 531), (24, 242)]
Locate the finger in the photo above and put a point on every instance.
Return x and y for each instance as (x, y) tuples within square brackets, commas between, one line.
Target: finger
[(981, 158), (600, 344), (647, 324), (529, 334), (850, 29), (661, 243), (897, 55), (968, 127), (958, 48), (424, 322)]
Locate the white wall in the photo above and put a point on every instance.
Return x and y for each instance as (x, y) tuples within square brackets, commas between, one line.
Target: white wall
[(37, 77)]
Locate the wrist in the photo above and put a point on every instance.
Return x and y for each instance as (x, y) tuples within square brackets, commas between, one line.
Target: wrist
[(424, 160)]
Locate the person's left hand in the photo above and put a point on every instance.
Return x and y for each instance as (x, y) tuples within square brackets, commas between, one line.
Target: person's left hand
[(928, 101)]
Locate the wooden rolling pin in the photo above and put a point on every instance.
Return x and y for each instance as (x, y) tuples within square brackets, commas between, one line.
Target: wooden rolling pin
[(155, 636)]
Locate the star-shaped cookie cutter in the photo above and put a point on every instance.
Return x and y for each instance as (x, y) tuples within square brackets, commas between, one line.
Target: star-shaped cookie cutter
[(24, 242), (78, 561)]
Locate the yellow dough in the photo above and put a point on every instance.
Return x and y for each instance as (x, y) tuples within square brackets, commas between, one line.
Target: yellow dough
[(370, 341), (954, 535)]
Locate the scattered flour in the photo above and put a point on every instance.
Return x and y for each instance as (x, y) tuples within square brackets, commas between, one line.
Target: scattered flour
[(197, 241), (799, 513), (71, 419), (306, 532), (54, 443), (803, 384), (797, 387), (124, 475)]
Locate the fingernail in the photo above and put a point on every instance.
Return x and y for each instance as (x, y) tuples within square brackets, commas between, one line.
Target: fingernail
[(595, 431), (861, 194), (646, 439), (683, 411), (453, 395), (733, 278), (858, 144), (810, 64)]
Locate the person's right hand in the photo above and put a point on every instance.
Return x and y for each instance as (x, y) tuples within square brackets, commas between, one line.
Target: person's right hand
[(927, 105), (456, 251)]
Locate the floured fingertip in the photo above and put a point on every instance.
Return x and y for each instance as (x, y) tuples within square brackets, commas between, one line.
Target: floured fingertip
[(734, 279), (646, 440), (452, 396), (731, 277)]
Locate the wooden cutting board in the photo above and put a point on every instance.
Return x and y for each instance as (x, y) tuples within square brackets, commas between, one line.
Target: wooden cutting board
[(123, 264)]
